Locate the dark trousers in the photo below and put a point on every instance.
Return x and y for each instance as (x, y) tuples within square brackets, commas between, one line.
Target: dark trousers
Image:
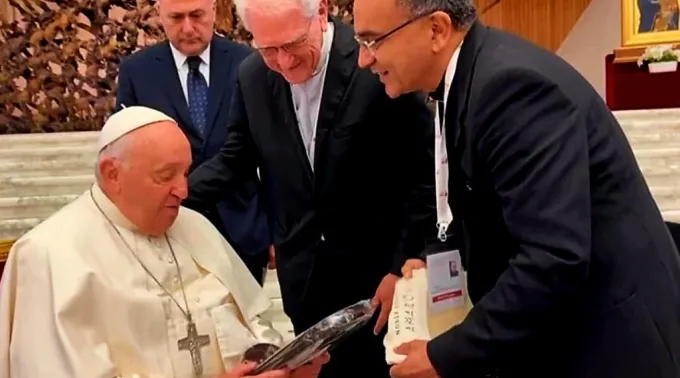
[(257, 264), (361, 353)]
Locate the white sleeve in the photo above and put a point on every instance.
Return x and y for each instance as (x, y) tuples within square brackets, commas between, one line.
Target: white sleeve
[(54, 331), (264, 331)]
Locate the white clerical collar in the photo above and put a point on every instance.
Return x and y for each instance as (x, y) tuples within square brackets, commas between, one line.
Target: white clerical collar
[(181, 59), (110, 209), (451, 72), (327, 41)]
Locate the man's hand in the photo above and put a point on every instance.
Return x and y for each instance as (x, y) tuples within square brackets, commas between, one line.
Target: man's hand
[(312, 369), (272, 257), (384, 296), (243, 369), (410, 266), (417, 364)]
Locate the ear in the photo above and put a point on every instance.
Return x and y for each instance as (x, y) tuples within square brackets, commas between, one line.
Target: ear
[(109, 172), (441, 29), (323, 9), (323, 14)]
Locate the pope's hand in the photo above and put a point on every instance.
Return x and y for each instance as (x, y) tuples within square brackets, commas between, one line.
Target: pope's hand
[(410, 266), (416, 364), (244, 369), (312, 369), (383, 298)]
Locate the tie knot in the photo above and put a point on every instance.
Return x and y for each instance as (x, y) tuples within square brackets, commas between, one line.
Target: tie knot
[(194, 62)]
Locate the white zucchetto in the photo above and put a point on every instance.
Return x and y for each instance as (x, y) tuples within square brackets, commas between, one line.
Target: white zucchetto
[(127, 120)]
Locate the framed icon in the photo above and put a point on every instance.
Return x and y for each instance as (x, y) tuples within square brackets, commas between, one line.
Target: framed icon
[(649, 22)]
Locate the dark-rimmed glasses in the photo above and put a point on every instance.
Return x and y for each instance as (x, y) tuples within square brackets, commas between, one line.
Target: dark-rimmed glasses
[(372, 45)]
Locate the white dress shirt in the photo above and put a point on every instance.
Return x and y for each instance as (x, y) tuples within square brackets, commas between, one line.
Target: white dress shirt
[(183, 67), (307, 97)]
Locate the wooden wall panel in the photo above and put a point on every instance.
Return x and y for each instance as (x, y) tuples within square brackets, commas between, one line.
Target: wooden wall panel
[(545, 22), (492, 17)]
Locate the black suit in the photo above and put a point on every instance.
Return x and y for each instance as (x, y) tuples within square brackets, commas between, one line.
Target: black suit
[(570, 266), (149, 78), (674, 229), (340, 227)]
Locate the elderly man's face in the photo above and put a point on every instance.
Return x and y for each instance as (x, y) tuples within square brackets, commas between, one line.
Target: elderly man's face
[(290, 43), (394, 45), (150, 180), (188, 24)]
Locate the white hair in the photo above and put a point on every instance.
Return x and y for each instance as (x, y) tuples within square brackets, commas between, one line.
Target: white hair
[(309, 8), (116, 150)]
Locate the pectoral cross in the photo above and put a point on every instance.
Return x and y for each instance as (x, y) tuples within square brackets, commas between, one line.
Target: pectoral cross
[(193, 343)]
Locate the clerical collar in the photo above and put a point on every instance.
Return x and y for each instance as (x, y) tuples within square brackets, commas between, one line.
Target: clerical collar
[(110, 209), (181, 59), (326, 48), (442, 91)]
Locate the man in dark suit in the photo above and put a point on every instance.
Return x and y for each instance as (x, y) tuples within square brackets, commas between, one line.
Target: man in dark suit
[(571, 269), (191, 77), (674, 229), (351, 170)]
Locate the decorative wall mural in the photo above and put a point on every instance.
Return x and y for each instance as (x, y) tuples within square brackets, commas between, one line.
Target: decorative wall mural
[(59, 59)]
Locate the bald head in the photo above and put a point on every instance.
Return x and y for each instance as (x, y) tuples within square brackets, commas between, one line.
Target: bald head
[(144, 173)]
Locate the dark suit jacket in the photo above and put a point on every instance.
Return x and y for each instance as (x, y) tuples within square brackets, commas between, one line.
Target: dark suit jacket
[(570, 266), (343, 226), (149, 78), (674, 229)]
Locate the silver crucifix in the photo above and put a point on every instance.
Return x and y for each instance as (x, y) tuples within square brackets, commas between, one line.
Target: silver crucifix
[(193, 343)]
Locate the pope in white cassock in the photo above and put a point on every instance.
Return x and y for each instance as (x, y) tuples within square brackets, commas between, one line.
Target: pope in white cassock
[(124, 282)]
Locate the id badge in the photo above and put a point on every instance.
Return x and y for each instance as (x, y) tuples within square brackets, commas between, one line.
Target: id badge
[(445, 276)]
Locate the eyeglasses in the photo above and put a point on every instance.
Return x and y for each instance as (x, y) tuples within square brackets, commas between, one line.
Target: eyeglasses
[(372, 45), (289, 47)]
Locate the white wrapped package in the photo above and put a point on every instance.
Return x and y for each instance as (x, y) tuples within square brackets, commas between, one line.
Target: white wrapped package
[(411, 317), (408, 319)]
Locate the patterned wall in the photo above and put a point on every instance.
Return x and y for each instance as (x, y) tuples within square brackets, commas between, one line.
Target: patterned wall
[(59, 59)]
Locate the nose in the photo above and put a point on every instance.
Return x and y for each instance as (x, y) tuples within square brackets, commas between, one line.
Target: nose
[(284, 59), (181, 191), (187, 25), (366, 59)]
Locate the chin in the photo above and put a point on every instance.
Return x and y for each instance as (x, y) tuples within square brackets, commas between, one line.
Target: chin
[(393, 91), (296, 76), (193, 48)]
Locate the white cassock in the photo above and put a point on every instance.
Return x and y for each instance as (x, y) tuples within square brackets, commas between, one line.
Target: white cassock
[(76, 303)]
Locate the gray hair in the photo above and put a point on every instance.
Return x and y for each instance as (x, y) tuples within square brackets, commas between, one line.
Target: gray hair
[(462, 12), (275, 7), (117, 150)]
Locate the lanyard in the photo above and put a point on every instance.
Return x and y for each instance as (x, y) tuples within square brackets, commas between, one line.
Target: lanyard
[(441, 168)]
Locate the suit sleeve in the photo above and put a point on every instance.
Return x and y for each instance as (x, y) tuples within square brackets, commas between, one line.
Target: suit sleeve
[(235, 163), (53, 333), (125, 94), (419, 210), (533, 143)]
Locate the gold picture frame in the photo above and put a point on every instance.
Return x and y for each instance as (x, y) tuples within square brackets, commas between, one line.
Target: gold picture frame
[(5, 246), (631, 19)]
